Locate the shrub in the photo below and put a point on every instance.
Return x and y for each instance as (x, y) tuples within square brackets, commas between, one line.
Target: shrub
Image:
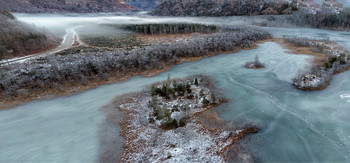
[(2, 53), (188, 88), (182, 122), (326, 64), (342, 61), (201, 93), (205, 102), (213, 98), (169, 124)]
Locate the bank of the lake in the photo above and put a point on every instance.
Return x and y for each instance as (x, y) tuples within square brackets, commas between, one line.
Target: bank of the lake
[(41, 118), (74, 88)]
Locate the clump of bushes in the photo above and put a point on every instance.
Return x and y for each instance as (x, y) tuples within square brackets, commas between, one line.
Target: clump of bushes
[(256, 64), (167, 90), (170, 90)]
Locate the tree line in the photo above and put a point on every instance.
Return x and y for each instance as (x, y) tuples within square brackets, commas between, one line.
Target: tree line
[(323, 19), (224, 7), (151, 29), (55, 71)]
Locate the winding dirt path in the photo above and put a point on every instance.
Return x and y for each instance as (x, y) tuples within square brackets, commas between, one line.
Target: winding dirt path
[(70, 39)]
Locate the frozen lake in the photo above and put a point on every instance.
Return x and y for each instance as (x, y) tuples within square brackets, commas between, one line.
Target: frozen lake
[(296, 125)]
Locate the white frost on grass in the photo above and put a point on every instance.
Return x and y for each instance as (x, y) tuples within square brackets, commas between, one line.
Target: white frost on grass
[(310, 80), (189, 144)]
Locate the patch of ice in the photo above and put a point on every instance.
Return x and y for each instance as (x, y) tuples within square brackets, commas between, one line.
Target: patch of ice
[(342, 96)]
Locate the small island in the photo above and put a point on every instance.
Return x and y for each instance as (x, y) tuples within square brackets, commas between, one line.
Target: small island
[(161, 124), (330, 59), (256, 64)]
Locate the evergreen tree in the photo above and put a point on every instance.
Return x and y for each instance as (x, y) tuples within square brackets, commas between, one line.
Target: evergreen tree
[(188, 88), (213, 98)]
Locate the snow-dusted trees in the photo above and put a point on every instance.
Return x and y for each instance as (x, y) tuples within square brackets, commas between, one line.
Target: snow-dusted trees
[(224, 7), (337, 59), (323, 19), (56, 71)]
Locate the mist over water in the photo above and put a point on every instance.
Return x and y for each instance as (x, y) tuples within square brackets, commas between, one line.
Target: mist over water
[(296, 125), (97, 24)]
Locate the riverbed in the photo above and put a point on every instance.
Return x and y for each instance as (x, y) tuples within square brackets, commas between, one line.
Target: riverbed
[(295, 125)]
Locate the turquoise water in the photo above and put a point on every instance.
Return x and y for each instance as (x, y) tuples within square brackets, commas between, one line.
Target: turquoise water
[(296, 125)]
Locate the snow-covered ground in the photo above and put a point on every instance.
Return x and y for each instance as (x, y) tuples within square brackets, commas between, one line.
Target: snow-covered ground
[(145, 141)]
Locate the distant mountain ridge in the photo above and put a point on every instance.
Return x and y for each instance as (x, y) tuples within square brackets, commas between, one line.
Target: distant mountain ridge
[(75, 6), (244, 7), (224, 7), (173, 7)]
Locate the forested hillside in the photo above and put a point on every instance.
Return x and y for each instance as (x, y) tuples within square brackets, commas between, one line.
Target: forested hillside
[(224, 7), (324, 19), (17, 38), (76, 6)]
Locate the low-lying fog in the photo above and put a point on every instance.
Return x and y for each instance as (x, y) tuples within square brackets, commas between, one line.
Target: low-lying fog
[(97, 24), (59, 23)]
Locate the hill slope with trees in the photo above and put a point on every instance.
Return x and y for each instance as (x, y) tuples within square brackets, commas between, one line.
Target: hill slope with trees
[(75, 6), (18, 39), (224, 7)]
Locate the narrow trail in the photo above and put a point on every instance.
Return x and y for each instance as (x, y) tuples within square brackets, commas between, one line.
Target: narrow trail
[(69, 39)]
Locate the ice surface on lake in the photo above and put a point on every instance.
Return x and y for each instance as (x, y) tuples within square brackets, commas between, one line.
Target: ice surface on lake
[(296, 125)]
